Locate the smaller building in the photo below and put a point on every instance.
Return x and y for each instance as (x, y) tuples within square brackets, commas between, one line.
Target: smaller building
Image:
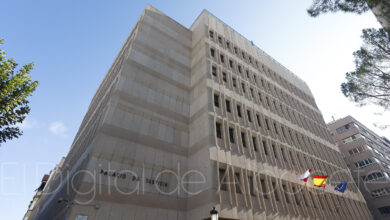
[(368, 157), (43, 190)]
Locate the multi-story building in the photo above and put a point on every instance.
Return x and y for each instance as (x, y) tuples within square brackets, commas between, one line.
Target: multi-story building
[(368, 157), (191, 118)]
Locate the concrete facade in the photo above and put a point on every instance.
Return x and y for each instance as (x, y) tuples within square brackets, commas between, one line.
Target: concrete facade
[(190, 118), (368, 157)]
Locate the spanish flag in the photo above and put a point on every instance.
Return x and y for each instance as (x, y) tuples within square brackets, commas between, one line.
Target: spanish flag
[(320, 181)]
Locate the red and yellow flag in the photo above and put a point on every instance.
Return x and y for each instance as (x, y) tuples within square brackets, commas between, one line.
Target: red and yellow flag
[(319, 181)]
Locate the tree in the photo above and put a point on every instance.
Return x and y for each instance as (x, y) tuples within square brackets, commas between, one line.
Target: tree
[(370, 82), (15, 87), (380, 8)]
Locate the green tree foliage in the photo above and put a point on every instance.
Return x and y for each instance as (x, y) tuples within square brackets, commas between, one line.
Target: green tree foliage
[(15, 87), (323, 6), (370, 82)]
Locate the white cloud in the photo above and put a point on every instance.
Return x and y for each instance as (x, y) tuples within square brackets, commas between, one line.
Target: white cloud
[(28, 124), (58, 128)]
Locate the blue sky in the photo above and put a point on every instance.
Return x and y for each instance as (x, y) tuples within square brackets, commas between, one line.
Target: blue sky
[(73, 43)]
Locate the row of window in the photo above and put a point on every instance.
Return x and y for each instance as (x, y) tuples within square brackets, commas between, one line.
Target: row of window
[(385, 211), (359, 150), (351, 138), (364, 163), (274, 105), (375, 176), (380, 192), (266, 150), (261, 83), (260, 67), (267, 126)]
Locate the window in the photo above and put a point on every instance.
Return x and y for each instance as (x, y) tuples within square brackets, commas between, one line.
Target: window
[(249, 115), (258, 120), (211, 34), (292, 158), (218, 128), (373, 176), (234, 82), (220, 39), (237, 182), (228, 105), (283, 156), (243, 139), (231, 63), (216, 100), (214, 71), (276, 129), (243, 54), (235, 50), (222, 58), (247, 74), (228, 44), (243, 87), (251, 189), (222, 179), (285, 193), (266, 123), (275, 192), (265, 148), (274, 150), (224, 76), (81, 217), (264, 188), (212, 52), (260, 99), (385, 211), (239, 69), (239, 111), (254, 144), (231, 135)]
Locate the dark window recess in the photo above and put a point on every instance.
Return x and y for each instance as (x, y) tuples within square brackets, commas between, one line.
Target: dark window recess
[(274, 150), (212, 52), (243, 139), (283, 156), (251, 89), (243, 87), (292, 158), (251, 189), (239, 111), (267, 99), (276, 129), (243, 55), (247, 74), (222, 58), (260, 99), (224, 76), (211, 34), (228, 44), (235, 50), (285, 193), (266, 124), (255, 78), (265, 147), (234, 82), (385, 211), (264, 189), (258, 120), (222, 179), (218, 128), (237, 182), (275, 191), (220, 40), (216, 100), (228, 106), (239, 68), (231, 63), (254, 143), (249, 115), (214, 71), (231, 135)]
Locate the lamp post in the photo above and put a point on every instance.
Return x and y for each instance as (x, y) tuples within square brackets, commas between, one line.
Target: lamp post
[(214, 214)]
